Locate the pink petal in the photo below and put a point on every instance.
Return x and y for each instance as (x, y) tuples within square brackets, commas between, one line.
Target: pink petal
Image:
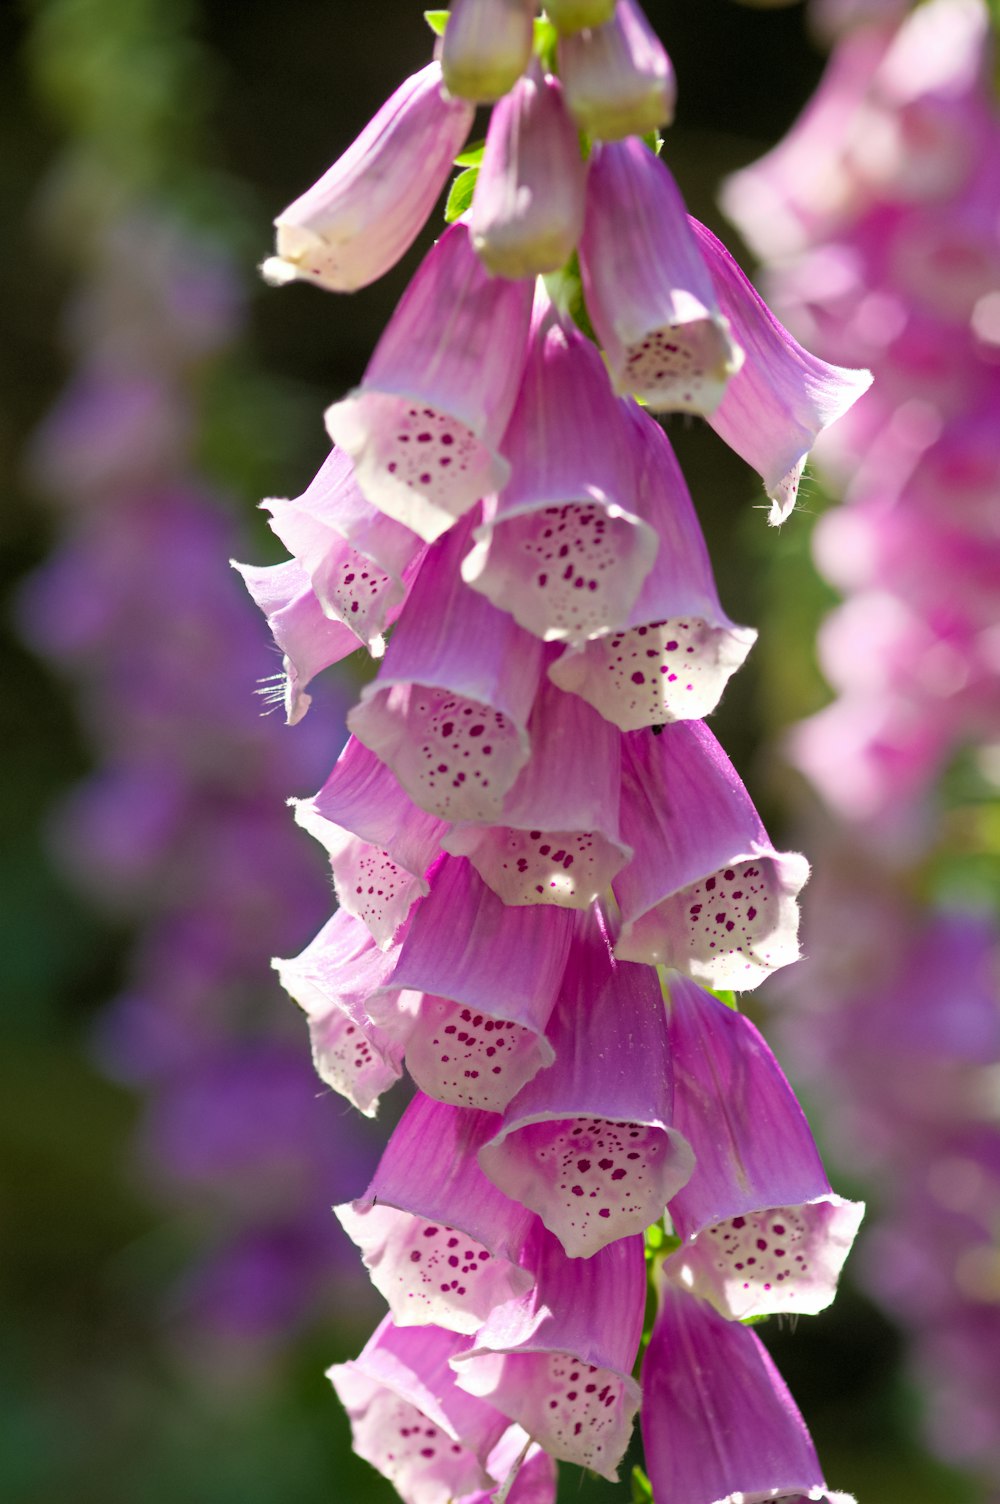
[(441, 1242), (718, 1423), (676, 655), (449, 710), (309, 641), (332, 981), (558, 841), (527, 209), (618, 79), (423, 426), (369, 207), (410, 1420), (589, 1143), (706, 892), (648, 290), (559, 1360), (380, 843), (562, 548), (486, 47), (489, 975), (762, 1230), (782, 397)]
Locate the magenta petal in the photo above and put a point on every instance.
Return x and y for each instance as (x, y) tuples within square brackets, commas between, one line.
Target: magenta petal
[(380, 843), (589, 1143), (782, 397), (559, 1360), (648, 290), (309, 641), (356, 222), (489, 975), (441, 1242), (562, 548), (332, 980), (559, 840), (618, 79), (718, 1423), (410, 1420), (424, 424), (705, 892), (449, 710), (527, 209), (762, 1229), (360, 563), (676, 655)]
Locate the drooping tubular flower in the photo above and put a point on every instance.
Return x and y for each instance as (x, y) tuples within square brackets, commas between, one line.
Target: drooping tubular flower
[(357, 221), (531, 815)]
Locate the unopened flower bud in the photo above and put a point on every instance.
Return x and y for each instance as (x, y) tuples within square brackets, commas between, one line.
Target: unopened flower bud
[(527, 212), (618, 78), (486, 47)]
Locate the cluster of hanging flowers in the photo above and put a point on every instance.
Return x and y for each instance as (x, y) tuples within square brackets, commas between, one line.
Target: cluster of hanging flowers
[(546, 866), (889, 252)]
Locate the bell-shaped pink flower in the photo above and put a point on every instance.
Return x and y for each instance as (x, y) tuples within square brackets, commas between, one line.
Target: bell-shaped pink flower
[(411, 1421), (562, 547), (449, 710), (442, 1244), (558, 840), (308, 639), (575, 15), (676, 655), (648, 290), (486, 47), (528, 204), (360, 563), (718, 1423), (782, 397), (589, 1143), (356, 222), (424, 424), (380, 843), (489, 975), (332, 981), (705, 892), (762, 1229), (618, 78), (559, 1360)]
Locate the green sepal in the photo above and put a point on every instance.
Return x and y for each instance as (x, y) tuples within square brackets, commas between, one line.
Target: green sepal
[(437, 20), (642, 1489), (654, 141), (472, 155), (546, 38), (754, 1320), (729, 998), (460, 194)]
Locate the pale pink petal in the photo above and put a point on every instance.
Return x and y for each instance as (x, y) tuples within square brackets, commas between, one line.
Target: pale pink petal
[(356, 222), (424, 425)]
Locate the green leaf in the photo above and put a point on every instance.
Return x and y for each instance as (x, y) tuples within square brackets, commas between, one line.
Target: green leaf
[(642, 1489), (460, 194), (437, 20), (472, 155)]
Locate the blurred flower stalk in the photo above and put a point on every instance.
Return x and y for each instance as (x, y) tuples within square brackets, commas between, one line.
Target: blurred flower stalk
[(551, 880), (179, 831), (879, 220)]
